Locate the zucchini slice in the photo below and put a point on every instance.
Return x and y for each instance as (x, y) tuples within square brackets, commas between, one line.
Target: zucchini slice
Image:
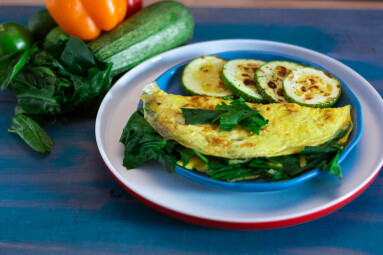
[(202, 77), (269, 79), (238, 76), (311, 87)]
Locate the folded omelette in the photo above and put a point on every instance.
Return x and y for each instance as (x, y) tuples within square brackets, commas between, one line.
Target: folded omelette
[(291, 127)]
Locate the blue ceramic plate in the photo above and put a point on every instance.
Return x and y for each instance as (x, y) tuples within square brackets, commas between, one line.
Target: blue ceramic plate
[(170, 81)]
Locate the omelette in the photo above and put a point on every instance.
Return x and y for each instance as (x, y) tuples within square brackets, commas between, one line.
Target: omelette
[(291, 127)]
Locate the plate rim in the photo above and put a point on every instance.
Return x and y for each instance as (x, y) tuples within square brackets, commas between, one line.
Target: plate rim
[(234, 225), (209, 221)]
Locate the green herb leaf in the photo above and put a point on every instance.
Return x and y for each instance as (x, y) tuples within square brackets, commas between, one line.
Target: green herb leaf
[(307, 150), (32, 133), (10, 65), (199, 116), (186, 155), (77, 57), (237, 113), (136, 124), (142, 143), (38, 101), (333, 166)]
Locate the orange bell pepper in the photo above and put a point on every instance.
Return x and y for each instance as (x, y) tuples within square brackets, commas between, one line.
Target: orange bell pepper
[(85, 19)]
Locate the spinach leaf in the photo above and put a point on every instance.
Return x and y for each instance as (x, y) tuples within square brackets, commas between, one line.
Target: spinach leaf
[(237, 113), (34, 77), (142, 143), (199, 116), (32, 133), (38, 101), (77, 58), (185, 154), (320, 149), (90, 90), (10, 65), (333, 166)]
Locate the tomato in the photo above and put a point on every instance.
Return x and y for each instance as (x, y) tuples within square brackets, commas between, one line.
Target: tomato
[(14, 37), (133, 7)]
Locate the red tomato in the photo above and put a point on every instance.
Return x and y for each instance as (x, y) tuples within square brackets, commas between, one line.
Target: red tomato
[(133, 7)]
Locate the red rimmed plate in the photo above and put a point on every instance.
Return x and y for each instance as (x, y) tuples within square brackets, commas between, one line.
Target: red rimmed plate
[(186, 200)]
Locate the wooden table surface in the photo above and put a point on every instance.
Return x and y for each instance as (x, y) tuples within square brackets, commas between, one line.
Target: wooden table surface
[(66, 202)]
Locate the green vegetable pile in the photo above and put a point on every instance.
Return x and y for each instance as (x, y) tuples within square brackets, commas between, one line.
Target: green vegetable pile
[(143, 143), (54, 75), (51, 82)]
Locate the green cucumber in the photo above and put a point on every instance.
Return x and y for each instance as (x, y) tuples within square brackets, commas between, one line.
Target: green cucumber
[(269, 78), (311, 87), (202, 77), (238, 76), (157, 28)]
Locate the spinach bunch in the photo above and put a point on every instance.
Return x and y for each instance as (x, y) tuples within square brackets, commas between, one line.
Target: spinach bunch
[(50, 83), (143, 143)]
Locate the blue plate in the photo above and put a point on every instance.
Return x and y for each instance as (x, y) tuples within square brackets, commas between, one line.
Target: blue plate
[(170, 81)]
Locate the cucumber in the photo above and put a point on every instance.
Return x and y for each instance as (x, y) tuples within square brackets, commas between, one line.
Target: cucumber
[(153, 30), (269, 79), (311, 87), (202, 77), (238, 76)]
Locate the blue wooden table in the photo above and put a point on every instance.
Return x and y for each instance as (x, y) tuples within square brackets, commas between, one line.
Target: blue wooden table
[(66, 202)]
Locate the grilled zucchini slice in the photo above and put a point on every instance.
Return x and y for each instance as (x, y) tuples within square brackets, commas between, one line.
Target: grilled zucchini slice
[(311, 87), (238, 76), (202, 77), (269, 79)]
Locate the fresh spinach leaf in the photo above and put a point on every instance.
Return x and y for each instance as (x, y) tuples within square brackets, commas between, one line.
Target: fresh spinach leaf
[(77, 57), (320, 149), (136, 124), (185, 154), (333, 166), (90, 90), (199, 116), (142, 143), (10, 65), (32, 133), (228, 116), (38, 101)]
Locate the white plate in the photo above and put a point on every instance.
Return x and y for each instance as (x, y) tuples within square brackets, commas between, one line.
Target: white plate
[(186, 200)]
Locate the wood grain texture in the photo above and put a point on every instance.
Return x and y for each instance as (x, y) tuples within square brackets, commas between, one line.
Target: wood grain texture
[(66, 202)]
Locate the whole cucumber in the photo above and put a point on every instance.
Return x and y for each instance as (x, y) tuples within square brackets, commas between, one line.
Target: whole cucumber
[(153, 30)]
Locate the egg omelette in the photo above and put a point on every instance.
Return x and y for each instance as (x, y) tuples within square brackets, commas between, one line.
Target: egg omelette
[(291, 127)]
